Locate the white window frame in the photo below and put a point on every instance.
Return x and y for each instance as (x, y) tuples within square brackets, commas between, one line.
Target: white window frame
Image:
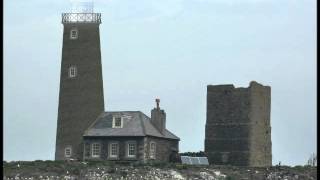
[(72, 72), (76, 33), (152, 152), (110, 150), (114, 122), (65, 152), (128, 149), (93, 150)]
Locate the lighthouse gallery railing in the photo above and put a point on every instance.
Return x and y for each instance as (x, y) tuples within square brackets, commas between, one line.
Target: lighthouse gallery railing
[(81, 18)]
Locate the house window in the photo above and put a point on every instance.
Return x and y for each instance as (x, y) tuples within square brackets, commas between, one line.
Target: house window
[(67, 152), (95, 149), (117, 122), (72, 71), (131, 149), (152, 150), (113, 150), (74, 34)]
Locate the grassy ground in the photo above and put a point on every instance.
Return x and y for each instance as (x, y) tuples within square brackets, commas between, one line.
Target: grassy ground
[(36, 169)]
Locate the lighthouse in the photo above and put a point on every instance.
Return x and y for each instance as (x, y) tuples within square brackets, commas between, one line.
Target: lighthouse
[(81, 86)]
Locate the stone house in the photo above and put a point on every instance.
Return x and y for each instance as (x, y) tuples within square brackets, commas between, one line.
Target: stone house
[(129, 136)]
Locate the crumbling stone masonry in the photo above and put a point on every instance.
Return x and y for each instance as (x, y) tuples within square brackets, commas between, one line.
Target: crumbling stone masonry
[(238, 130)]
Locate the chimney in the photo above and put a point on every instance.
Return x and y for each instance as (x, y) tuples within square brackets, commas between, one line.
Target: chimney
[(158, 118)]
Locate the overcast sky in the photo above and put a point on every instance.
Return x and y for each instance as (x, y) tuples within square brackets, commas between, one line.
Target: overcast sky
[(171, 49)]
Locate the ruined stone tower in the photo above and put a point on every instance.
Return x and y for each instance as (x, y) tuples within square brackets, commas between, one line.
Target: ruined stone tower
[(238, 130), (81, 88)]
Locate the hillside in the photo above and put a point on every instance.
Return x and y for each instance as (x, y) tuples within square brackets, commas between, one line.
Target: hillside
[(105, 170)]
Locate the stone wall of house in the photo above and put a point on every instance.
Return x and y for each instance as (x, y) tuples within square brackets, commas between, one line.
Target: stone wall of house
[(105, 141), (164, 148), (232, 135)]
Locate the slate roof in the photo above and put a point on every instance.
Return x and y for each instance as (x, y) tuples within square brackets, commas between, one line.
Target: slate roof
[(135, 123)]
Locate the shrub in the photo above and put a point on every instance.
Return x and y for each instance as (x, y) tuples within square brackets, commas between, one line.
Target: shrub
[(159, 164), (299, 168), (193, 154), (181, 166), (230, 178)]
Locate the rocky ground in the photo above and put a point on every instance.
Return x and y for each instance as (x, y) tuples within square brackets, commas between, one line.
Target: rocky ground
[(53, 170)]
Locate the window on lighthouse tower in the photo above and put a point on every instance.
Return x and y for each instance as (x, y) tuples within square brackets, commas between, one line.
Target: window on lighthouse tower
[(72, 72), (74, 33)]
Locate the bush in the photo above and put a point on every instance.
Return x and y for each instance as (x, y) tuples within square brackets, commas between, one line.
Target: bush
[(139, 163), (299, 168), (181, 166), (159, 164), (230, 178), (153, 163), (193, 154), (111, 170)]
